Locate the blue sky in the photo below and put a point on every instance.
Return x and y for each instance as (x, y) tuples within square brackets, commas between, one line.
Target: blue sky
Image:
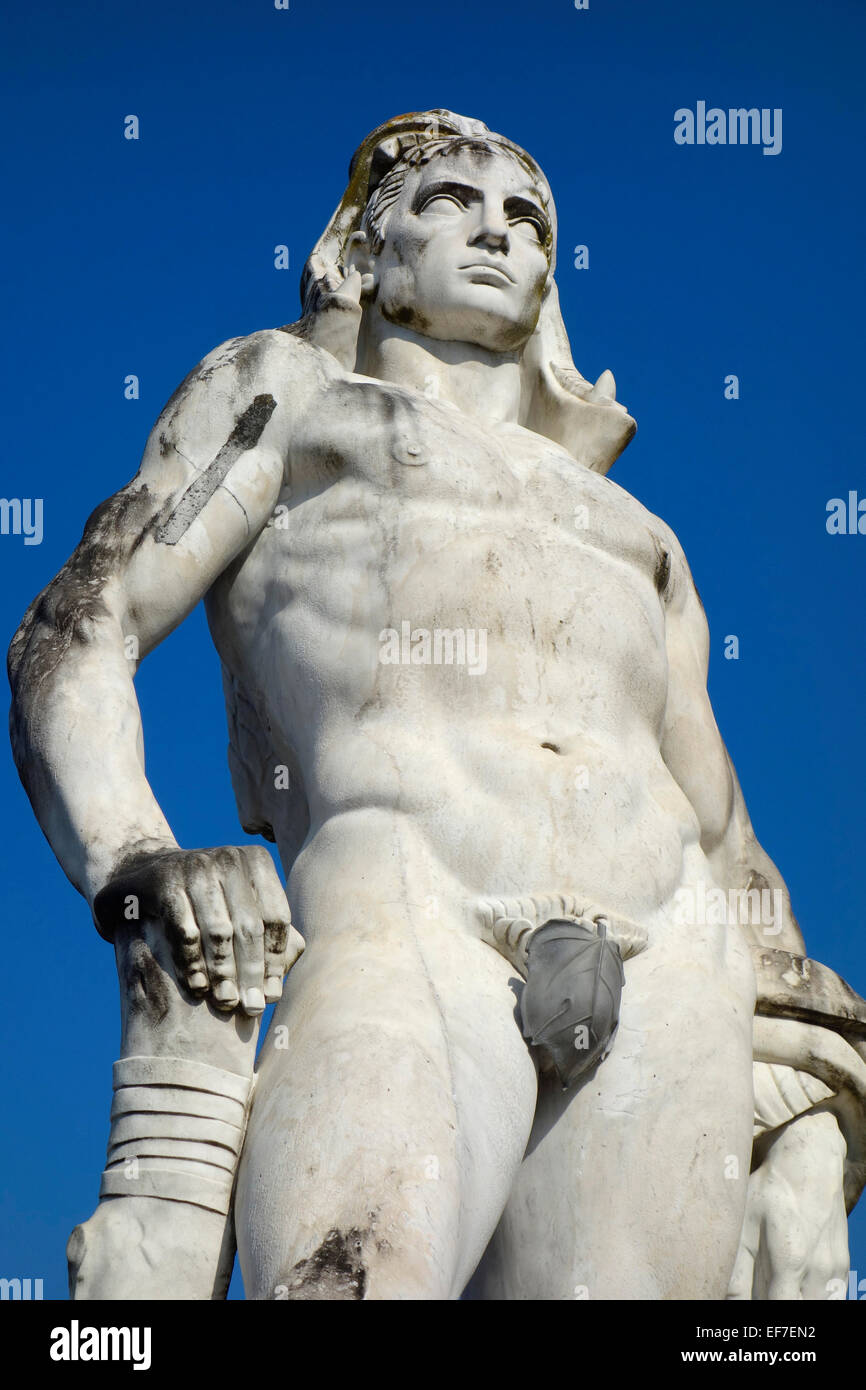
[(139, 256)]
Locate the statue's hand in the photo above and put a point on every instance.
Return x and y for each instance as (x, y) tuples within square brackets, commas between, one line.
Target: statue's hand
[(224, 913), (337, 320)]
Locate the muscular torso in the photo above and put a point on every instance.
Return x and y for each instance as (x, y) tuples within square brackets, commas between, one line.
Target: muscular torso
[(535, 764)]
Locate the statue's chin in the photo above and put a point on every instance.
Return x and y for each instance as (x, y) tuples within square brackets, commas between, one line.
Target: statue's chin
[(471, 324)]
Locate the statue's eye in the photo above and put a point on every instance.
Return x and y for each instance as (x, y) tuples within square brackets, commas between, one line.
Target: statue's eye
[(447, 203), (531, 228)]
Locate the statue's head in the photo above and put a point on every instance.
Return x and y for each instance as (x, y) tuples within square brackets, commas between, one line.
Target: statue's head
[(390, 175), (456, 243), (453, 229)]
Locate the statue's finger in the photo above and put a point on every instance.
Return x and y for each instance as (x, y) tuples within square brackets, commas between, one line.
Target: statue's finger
[(217, 934), (282, 943), (246, 920), (185, 941)]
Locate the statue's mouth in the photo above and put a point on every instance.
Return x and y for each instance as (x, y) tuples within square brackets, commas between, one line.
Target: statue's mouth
[(489, 269)]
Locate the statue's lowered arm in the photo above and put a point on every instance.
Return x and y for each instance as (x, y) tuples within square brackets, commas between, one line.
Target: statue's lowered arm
[(809, 1035), (202, 937)]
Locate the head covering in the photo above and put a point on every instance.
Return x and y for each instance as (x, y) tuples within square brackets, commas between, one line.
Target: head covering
[(556, 400)]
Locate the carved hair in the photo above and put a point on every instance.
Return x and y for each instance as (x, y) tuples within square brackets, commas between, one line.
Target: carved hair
[(385, 194)]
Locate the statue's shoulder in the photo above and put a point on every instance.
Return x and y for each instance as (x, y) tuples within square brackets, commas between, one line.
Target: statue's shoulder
[(273, 356), (269, 362)]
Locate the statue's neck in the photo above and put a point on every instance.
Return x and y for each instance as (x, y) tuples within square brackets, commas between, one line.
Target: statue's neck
[(481, 383)]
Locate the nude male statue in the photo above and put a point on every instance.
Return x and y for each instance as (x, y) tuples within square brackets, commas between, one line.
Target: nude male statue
[(417, 455)]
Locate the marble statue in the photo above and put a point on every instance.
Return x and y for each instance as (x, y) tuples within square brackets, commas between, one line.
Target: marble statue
[(525, 1054)]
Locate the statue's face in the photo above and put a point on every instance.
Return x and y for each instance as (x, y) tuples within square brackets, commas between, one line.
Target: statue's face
[(464, 258)]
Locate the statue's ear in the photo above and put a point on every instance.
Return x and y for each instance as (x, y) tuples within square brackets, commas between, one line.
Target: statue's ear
[(559, 403)]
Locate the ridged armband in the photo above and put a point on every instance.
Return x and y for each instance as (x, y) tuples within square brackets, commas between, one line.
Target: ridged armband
[(177, 1128)]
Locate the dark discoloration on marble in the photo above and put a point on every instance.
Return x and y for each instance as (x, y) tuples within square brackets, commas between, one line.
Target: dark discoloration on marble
[(146, 987), (247, 432), (72, 607), (300, 329), (663, 566), (334, 1271)]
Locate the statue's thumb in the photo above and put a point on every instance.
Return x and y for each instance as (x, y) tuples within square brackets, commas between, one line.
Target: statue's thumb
[(336, 323)]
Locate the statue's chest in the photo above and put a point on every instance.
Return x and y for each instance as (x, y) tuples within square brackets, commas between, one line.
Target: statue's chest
[(369, 443), (377, 466)]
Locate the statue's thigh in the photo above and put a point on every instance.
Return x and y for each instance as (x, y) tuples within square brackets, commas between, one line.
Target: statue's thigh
[(393, 1105), (634, 1183)]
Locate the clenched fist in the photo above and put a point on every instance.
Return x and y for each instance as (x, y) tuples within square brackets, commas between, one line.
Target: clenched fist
[(225, 916)]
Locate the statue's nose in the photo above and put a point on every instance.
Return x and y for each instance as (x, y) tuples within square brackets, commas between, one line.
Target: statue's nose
[(492, 229)]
